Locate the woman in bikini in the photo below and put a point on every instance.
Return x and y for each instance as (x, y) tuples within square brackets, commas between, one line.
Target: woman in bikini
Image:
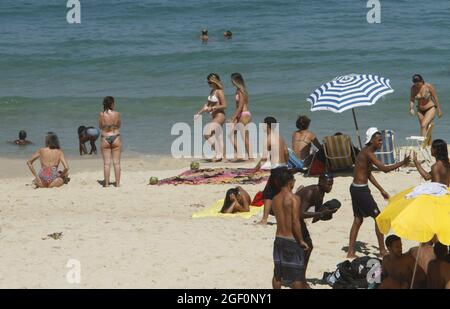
[(50, 156), (236, 200), (215, 105), (109, 122), (427, 103), (302, 139), (440, 171), (242, 114)]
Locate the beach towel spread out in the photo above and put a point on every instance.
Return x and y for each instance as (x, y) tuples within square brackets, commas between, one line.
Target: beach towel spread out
[(430, 188), (218, 176), (214, 211)]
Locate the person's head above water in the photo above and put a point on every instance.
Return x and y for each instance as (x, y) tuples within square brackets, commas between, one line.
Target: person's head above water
[(326, 182), (417, 79), (302, 122), (373, 137), (394, 244), (205, 31), (108, 103), (22, 135), (238, 81), (214, 81), (52, 141), (228, 34), (440, 151)]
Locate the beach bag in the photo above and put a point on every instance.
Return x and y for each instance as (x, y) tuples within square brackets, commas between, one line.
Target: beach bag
[(349, 275), (258, 200)]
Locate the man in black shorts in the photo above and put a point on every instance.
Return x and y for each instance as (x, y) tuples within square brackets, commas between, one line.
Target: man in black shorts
[(276, 150), (289, 246), (312, 196), (362, 200)]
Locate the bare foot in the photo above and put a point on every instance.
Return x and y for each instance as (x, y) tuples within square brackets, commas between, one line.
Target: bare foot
[(262, 222), (216, 160), (352, 256)]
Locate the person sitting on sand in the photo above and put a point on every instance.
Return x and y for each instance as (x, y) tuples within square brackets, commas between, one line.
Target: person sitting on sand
[(87, 134), (312, 196), (398, 268), (363, 202), (50, 156), (274, 148), (22, 139), (440, 171), (303, 139), (236, 200), (438, 276), (289, 246)]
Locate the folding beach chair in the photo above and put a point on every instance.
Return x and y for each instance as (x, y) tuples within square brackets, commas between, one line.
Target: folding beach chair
[(338, 151), (420, 143), (388, 153)]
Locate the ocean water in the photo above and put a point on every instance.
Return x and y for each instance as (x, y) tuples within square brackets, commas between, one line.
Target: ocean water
[(147, 54)]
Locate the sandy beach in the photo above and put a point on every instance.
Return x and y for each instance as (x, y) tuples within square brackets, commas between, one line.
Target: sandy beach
[(141, 236)]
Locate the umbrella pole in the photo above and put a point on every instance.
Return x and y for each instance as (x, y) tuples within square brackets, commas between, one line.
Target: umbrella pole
[(357, 129), (415, 266)]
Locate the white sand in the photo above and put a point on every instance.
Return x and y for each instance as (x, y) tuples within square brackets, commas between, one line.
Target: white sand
[(141, 236)]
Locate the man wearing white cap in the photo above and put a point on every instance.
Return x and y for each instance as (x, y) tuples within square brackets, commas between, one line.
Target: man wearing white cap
[(362, 200)]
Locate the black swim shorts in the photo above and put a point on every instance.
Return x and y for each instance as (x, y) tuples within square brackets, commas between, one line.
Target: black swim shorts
[(289, 260), (363, 203)]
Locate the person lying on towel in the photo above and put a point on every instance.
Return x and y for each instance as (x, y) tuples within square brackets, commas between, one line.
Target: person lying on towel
[(236, 200)]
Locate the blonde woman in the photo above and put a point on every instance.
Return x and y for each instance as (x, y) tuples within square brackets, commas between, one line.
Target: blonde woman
[(215, 105), (427, 102), (242, 114)]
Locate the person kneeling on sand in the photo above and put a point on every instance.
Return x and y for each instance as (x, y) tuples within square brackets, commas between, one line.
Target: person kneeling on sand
[(289, 245), (398, 268), (363, 202), (312, 196), (50, 156), (236, 200)]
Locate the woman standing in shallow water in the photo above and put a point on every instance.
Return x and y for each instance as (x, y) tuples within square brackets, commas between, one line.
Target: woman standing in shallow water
[(215, 105), (427, 103), (109, 122)]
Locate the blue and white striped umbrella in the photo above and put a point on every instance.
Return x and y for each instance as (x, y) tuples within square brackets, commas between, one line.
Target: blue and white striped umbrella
[(349, 91)]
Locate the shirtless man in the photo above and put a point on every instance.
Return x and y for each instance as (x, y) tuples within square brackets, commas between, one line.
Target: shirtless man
[(312, 196), (398, 268), (276, 149), (362, 200), (22, 139), (289, 246), (440, 171)]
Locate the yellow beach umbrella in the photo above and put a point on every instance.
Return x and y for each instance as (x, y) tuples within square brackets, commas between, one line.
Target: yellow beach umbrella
[(418, 219)]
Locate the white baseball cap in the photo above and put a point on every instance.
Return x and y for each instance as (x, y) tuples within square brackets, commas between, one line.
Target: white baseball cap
[(369, 133)]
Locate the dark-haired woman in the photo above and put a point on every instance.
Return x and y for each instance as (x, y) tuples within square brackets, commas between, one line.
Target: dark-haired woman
[(215, 105), (236, 200), (440, 171), (302, 139), (427, 102), (50, 156), (109, 122), (242, 115)]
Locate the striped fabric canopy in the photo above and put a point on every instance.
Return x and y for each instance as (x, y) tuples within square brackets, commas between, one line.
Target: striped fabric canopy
[(349, 91)]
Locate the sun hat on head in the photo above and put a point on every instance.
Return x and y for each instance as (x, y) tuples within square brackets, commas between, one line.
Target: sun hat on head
[(369, 133)]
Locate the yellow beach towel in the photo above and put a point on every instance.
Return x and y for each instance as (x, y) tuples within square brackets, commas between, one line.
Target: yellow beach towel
[(214, 211)]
